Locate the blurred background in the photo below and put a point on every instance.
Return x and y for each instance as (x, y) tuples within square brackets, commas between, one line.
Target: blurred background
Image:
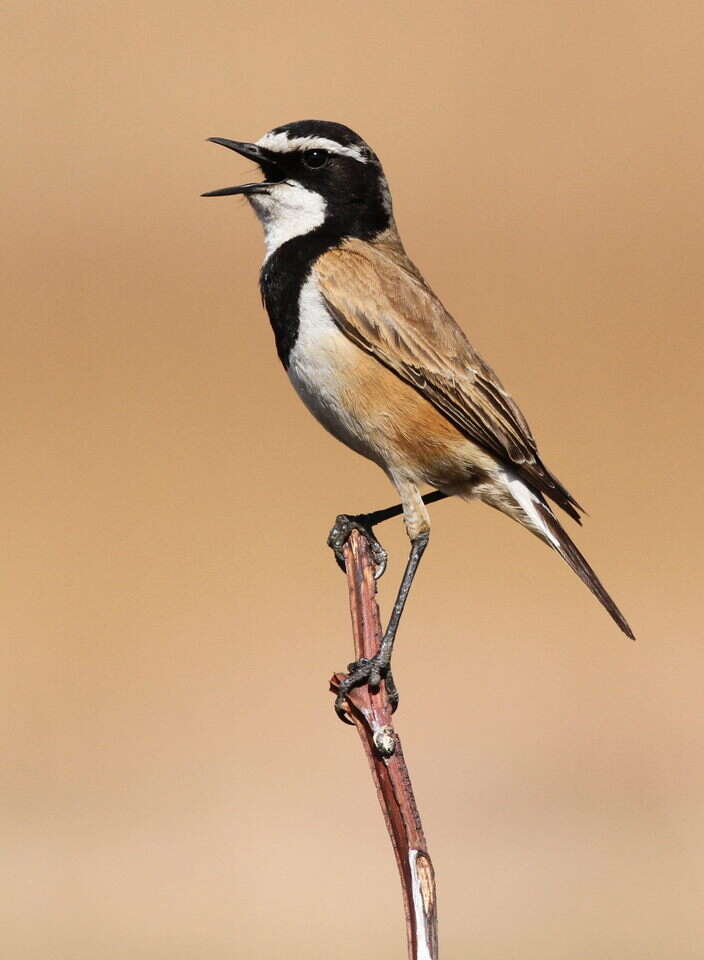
[(175, 783)]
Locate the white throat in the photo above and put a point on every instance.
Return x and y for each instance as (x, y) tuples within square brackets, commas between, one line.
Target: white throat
[(288, 210)]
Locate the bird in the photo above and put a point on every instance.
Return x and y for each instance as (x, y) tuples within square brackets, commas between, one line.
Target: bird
[(381, 364)]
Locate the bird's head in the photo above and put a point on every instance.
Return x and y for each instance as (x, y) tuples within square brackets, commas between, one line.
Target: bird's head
[(317, 176)]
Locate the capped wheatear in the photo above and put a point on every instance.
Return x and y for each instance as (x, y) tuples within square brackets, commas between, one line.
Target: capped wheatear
[(378, 360)]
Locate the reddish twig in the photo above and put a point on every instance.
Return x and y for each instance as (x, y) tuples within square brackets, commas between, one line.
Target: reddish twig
[(371, 713)]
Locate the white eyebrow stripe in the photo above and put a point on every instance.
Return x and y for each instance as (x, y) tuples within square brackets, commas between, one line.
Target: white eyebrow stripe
[(280, 143)]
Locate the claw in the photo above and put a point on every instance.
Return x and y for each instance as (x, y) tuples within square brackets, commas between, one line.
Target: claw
[(370, 671), (343, 527), (340, 709)]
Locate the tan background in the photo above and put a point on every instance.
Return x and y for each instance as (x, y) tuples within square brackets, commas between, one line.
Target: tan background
[(175, 783)]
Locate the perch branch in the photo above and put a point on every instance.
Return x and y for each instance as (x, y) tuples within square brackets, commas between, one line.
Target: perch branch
[(371, 713)]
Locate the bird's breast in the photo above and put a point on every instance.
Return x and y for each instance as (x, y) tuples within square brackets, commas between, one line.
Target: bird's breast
[(328, 373)]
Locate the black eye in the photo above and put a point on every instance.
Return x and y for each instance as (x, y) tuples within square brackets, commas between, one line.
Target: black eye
[(315, 159)]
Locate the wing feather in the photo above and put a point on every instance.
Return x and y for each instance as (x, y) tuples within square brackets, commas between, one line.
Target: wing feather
[(379, 300)]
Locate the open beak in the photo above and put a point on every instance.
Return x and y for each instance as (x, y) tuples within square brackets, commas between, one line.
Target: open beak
[(252, 152)]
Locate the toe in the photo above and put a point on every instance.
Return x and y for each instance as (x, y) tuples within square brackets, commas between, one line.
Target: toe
[(391, 691)]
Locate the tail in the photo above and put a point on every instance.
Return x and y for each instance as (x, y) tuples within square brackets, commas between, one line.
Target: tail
[(529, 507), (560, 541)]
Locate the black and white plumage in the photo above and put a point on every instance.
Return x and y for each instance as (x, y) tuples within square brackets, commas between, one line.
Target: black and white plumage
[(373, 353)]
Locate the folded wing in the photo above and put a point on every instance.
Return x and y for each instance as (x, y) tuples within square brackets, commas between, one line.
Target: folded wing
[(380, 301)]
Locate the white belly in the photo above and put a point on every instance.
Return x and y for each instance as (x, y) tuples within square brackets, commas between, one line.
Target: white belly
[(323, 368)]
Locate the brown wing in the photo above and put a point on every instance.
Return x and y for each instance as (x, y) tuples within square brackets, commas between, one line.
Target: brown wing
[(381, 303)]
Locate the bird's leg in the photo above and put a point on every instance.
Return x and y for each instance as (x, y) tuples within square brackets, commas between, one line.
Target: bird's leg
[(373, 670), (365, 523)]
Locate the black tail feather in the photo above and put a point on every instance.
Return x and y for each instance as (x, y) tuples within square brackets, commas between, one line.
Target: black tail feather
[(574, 558), (547, 483)]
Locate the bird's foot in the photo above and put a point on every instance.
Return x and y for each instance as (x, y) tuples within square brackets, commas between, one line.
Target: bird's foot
[(343, 527), (370, 671)]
